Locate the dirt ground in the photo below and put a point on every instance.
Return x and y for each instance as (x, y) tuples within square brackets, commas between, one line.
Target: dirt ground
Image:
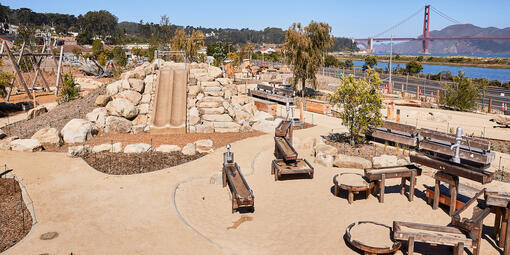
[(219, 139), (15, 219), (56, 118)]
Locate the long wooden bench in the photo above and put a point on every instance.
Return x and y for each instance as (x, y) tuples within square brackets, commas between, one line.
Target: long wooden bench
[(318, 106), (397, 133)]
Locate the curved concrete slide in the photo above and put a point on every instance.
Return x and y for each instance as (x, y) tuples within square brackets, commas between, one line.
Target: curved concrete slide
[(169, 114)]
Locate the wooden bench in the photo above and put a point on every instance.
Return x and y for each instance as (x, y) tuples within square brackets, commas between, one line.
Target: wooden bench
[(499, 203), (405, 172), (397, 133), (266, 106), (318, 106)]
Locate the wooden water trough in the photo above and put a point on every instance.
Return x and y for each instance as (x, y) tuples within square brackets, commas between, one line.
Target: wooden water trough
[(270, 93), (405, 172), (397, 133), (242, 195)]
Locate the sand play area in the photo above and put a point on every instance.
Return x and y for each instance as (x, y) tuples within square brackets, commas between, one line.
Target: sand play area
[(185, 209)]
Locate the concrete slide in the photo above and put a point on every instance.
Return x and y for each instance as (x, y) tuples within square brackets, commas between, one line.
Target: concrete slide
[(169, 106)]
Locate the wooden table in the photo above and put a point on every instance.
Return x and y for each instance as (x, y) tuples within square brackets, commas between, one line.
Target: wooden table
[(368, 249), (499, 203), (453, 186), (352, 188), (405, 172)]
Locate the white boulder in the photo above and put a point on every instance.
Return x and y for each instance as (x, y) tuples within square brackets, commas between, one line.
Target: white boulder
[(78, 131)]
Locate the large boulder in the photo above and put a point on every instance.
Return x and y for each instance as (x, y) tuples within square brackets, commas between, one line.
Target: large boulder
[(214, 72), (241, 100), (204, 146), (5, 144), (189, 149), (204, 128), (116, 124), (346, 161), (87, 83), (122, 107), (78, 151), (258, 116), (193, 91), (168, 148), (78, 131), (141, 119), (194, 116), (226, 127), (137, 148), (384, 161), (215, 110), (29, 145), (325, 149), (131, 95), (102, 147), (266, 126), (324, 159), (48, 135), (98, 116), (32, 113), (136, 84), (117, 147), (113, 88), (224, 81), (217, 117), (102, 100)]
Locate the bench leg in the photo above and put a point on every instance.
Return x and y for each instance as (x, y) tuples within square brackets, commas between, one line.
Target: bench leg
[(381, 188), (403, 186), (497, 223), (502, 233), (458, 249), (507, 234), (412, 183), (453, 199), (477, 232), (410, 246), (436, 195), (350, 197), (336, 190)]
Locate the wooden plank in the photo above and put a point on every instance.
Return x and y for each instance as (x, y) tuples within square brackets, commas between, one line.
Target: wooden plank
[(59, 71), (266, 106), (396, 138), (404, 128), (482, 177), (481, 144), (404, 171), (446, 150), (269, 96), (321, 107), (499, 201), (443, 199)]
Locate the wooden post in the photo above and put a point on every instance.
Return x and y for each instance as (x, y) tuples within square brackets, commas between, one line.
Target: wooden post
[(437, 192), (350, 197), (453, 198), (497, 222), (417, 92), (18, 71), (412, 184), (506, 238), (11, 84), (403, 186), (398, 116), (410, 246), (301, 111), (59, 71), (504, 226), (38, 70), (381, 188), (459, 249), (55, 61), (490, 106)]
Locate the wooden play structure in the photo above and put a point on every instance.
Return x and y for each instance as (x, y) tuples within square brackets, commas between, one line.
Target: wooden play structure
[(407, 173), (499, 204), (287, 161), (367, 248), (273, 93), (242, 195), (35, 59), (353, 183), (396, 133), (462, 232)]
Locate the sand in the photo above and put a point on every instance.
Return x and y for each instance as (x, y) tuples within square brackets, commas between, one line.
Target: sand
[(185, 209), (373, 235), (352, 179)]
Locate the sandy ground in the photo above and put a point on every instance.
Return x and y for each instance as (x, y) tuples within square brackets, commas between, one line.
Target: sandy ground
[(96, 213)]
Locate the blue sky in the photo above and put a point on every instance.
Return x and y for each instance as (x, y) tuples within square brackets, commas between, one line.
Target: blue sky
[(347, 18)]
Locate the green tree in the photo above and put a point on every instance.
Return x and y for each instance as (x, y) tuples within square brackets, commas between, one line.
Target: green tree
[(349, 63), (84, 38), (119, 55), (98, 23), (331, 61), (370, 61), (462, 94), (97, 48), (419, 58), (361, 106), (69, 90), (76, 52), (306, 47), (102, 59), (413, 67)]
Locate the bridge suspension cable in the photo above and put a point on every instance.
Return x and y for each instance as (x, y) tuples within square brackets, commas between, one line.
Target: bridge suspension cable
[(400, 23), (443, 15)]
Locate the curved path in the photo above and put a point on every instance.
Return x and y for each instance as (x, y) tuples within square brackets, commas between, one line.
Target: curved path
[(95, 213)]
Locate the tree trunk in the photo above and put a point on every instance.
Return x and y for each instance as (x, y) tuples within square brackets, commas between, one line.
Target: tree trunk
[(303, 87)]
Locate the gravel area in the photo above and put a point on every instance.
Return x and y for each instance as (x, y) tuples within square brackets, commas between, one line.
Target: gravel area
[(135, 163), (15, 219), (56, 118), (365, 150)]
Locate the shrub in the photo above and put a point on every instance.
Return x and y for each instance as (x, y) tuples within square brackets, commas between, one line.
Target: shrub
[(5, 81), (69, 90), (462, 94)]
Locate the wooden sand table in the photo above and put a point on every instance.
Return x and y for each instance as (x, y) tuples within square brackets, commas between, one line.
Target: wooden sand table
[(371, 237), (353, 183)]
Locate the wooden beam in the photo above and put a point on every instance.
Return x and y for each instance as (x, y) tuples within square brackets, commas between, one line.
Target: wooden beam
[(396, 138), (55, 61), (400, 127), (38, 70), (18, 72), (434, 147), (481, 144), (59, 72)]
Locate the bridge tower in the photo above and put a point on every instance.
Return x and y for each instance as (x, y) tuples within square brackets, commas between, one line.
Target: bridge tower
[(426, 23)]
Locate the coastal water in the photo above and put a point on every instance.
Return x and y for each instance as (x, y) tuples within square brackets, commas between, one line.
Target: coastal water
[(502, 75)]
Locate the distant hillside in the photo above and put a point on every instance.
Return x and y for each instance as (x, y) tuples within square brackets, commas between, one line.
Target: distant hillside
[(456, 47)]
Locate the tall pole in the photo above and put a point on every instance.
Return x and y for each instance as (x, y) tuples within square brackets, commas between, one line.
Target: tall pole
[(391, 54), (426, 25)]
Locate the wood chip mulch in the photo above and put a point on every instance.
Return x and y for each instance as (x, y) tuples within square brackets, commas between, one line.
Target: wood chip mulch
[(135, 163), (15, 219), (364, 150)]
